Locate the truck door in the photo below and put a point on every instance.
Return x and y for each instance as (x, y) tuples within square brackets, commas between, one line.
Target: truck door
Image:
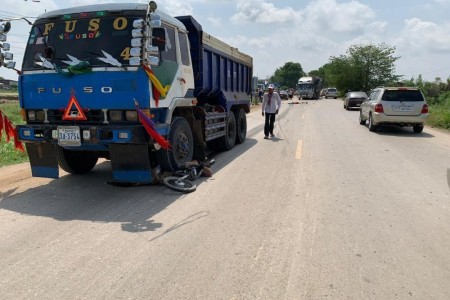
[(186, 78), (168, 69)]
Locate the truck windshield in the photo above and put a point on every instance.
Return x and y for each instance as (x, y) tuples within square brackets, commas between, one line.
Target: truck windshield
[(100, 38), (305, 87)]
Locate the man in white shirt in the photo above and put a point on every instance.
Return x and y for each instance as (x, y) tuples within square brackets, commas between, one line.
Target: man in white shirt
[(271, 104)]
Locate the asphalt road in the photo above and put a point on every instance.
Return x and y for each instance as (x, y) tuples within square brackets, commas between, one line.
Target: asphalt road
[(325, 210)]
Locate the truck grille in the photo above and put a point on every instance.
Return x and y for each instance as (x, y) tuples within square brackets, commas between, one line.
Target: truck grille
[(54, 116)]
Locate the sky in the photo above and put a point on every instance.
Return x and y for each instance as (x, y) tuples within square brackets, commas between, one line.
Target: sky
[(308, 32)]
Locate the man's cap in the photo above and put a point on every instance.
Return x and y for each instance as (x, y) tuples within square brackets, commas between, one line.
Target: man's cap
[(271, 86)]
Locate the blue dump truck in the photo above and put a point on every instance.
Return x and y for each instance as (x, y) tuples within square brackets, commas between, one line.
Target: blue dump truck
[(131, 84)]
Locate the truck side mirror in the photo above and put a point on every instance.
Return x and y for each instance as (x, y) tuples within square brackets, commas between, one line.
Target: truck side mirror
[(159, 38)]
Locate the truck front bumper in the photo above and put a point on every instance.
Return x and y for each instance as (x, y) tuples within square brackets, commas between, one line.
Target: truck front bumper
[(126, 146), (91, 137)]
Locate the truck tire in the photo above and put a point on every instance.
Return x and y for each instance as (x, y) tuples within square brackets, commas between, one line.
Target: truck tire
[(76, 162), (227, 141), (182, 146), (241, 125)]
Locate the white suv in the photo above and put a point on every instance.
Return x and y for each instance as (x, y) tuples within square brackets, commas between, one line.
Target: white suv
[(401, 106), (331, 92)]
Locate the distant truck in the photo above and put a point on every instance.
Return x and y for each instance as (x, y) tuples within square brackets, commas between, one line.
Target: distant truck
[(309, 87), (97, 79)]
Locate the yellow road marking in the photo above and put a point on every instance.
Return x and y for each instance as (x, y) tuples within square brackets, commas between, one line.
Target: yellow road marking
[(298, 153)]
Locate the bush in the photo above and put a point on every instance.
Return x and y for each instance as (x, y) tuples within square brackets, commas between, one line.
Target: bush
[(8, 154), (440, 112)]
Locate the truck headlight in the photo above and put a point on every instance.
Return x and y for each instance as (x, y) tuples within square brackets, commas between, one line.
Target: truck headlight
[(40, 115), (131, 115), (36, 115), (115, 115)]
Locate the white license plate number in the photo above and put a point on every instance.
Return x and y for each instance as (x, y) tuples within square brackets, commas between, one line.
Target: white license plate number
[(69, 136), (402, 108)]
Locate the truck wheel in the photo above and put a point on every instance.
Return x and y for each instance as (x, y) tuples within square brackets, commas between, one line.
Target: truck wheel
[(241, 126), (228, 141), (182, 146), (76, 162)]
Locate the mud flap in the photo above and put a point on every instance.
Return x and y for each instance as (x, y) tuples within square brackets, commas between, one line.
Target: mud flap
[(130, 163), (43, 160)]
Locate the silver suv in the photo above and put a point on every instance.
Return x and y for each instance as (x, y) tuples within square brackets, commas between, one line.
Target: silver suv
[(331, 92), (401, 106)]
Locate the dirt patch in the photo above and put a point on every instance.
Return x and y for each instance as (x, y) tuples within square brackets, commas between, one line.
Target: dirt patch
[(9, 99)]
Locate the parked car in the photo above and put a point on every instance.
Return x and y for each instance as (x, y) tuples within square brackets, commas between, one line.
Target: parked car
[(400, 106), (331, 92), (284, 95), (354, 99)]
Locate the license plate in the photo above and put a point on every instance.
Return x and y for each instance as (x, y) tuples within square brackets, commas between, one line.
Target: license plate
[(402, 108), (69, 136)]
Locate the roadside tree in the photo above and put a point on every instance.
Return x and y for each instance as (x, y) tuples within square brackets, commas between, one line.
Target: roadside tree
[(288, 74), (363, 67)]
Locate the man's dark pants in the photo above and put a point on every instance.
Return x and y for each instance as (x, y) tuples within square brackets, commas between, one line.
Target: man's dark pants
[(268, 126)]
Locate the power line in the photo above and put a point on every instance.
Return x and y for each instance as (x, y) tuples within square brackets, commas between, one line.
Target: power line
[(429, 72), (437, 70), (8, 14), (11, 14)]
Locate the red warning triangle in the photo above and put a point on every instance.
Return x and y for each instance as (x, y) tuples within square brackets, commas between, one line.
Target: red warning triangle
[(74, 114)]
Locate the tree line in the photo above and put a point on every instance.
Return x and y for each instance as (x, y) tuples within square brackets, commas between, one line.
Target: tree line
[(364, 67)]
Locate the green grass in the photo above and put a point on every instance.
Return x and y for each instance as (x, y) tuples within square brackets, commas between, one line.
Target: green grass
[(9, 94), (440, 115), (8, 154)]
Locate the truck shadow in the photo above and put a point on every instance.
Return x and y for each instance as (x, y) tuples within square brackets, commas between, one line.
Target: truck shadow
[(90, 198)]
